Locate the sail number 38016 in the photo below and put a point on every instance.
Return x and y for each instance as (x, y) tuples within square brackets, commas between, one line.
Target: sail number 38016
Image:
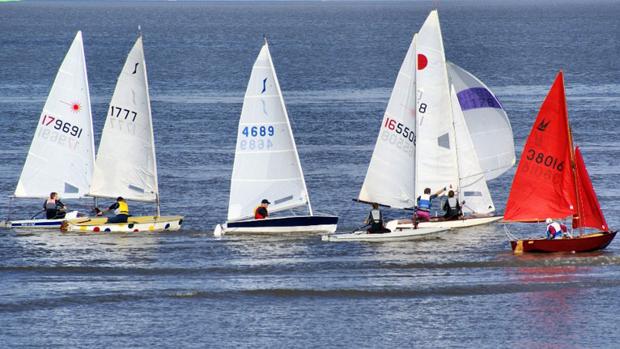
[(548, 160)]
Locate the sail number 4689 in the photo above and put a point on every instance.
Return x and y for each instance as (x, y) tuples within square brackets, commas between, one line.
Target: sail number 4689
[(258, 131), (548, 161)]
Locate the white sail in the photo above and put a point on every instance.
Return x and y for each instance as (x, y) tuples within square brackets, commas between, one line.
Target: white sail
[(266, 161), (436, 165), (61, 155), (487, 121), (472, 185), (389, 180), (126, 164)]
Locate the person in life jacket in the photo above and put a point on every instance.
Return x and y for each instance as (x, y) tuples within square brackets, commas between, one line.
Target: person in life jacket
[(121, 211), (375, 220), (260, 212), (555, 229), (424, 203), (452, 207), (54, 208)]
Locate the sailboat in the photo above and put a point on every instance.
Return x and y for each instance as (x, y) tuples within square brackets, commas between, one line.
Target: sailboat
[(425, 140), (552, 182), (61, 154), (126, 164), (267, 165)]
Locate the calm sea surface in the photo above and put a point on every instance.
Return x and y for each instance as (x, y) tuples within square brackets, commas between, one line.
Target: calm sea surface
[(336, 62)]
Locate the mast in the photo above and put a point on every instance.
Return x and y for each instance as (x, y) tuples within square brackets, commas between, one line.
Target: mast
[(573, 167), (288, 124)]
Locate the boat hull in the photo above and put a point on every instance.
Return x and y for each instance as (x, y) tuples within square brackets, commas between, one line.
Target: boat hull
[(398, 235), (134, 225), (584, 243), (278, 225), (453, 224), (41, 223)]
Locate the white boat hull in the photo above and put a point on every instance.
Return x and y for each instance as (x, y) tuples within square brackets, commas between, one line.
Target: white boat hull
[(398, 235), (41, 223), (134, 225), (280, 225), (455, 224)]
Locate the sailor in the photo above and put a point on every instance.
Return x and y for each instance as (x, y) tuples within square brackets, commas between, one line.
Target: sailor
[(54, 208), (555, 229), (261, 212), (375, 220), (121, 211), (423, 209), (452, 207)]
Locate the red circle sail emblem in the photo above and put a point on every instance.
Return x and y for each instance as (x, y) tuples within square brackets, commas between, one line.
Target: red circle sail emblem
[(422, 61), (76, 107)]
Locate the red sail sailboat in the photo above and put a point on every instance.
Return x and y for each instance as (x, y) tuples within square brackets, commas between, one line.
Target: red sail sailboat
[(552, 182)]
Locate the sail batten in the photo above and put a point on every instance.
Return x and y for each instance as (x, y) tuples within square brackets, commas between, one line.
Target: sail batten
[(61, 155), (126, 164), (266, 164)]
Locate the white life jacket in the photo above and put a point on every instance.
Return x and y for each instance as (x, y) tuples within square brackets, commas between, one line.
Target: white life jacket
[(424, 203), (556, 226), (50, 204), (453, 203), (376, 216)]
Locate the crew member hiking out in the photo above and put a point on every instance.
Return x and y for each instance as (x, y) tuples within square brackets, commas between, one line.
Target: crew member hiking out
[(261, 212), (452, 207), (375, 220)]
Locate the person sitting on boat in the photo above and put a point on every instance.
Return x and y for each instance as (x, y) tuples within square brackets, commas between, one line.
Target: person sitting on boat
[(452, 207), (555, 229), (375, 220), (424, 203), (121, 211), (261, 212), (54, 208)]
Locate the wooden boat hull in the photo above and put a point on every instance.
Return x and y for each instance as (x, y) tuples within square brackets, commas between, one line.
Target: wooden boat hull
[(584, 243), (278, 225), (398, 235), (454, 224), (135, 224)]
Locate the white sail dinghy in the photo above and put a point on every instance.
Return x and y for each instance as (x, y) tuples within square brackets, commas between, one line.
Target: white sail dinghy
[(442, 128), (61, 154), (267, 165), (126, 164)]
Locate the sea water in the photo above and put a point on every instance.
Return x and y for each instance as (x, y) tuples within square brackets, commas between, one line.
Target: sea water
[(336, 62)]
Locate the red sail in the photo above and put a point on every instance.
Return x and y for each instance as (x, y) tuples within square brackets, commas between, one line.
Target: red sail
[(544, 185), (591, 215)]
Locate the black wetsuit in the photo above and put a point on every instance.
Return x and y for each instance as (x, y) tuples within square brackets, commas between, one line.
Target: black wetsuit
[(453, 209), (376, 222)]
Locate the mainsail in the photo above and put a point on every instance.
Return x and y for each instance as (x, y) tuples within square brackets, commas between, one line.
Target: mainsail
[(487, 122), (436, 164), (472, 186), (590, 214), (390, 177), (266, 163), (61, 155), (126, 164), (544, 184)]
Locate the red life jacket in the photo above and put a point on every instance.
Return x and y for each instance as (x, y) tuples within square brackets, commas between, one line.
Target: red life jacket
[(258, 215)]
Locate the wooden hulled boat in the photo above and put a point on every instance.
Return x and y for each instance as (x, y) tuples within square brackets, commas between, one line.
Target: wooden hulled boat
[(552, 182)]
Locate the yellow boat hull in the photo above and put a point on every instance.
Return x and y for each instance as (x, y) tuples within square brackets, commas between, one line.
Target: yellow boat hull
[(135, 224)]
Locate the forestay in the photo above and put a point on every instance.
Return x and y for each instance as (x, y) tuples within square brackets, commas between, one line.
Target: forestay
[(390, 177), (472, 183), (266, 162), (61, 155), (126, 164), (487, 121), (436, 152)]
